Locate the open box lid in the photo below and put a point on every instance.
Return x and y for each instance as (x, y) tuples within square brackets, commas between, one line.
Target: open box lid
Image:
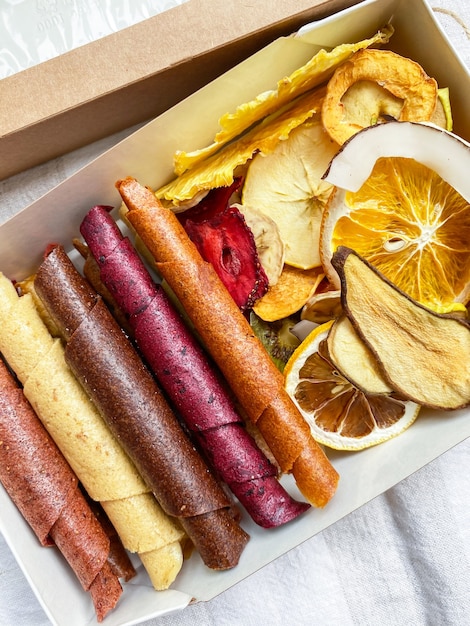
[(135, 74)]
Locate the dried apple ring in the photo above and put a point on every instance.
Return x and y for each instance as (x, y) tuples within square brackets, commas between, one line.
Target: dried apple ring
[(374, 84)]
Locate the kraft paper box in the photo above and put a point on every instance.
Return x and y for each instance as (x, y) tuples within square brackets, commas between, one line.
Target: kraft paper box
[(136, 74), (147, 155)]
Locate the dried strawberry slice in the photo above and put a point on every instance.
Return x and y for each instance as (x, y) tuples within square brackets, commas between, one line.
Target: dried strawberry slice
[(228, 243), (214, 203)]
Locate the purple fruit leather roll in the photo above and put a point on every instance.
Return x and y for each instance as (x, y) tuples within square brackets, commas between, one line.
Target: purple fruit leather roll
[(187, 374)]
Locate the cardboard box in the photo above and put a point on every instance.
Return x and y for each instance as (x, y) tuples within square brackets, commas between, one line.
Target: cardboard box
[(136, 74), (147, 155)]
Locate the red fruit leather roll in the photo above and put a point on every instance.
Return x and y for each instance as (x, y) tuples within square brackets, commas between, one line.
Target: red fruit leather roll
[(190, 380), (227, 335), (43, 487), (131, 403)]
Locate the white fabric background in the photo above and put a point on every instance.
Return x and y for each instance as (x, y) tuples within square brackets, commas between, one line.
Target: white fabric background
[(404, 558)]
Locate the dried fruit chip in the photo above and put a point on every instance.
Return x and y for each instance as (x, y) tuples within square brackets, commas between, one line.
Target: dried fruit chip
[(322, 306), (219, 169), (422, 354), (287, 186), (374, 85), (268, 241), (354, 359), (276, 337), (290, 293), (340, 415), (228, 243)]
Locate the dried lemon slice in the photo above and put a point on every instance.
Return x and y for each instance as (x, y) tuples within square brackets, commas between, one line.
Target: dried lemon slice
[(340, 414), (374, 85)]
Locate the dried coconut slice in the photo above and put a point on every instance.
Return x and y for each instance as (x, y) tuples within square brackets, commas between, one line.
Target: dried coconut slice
[(373, 85)]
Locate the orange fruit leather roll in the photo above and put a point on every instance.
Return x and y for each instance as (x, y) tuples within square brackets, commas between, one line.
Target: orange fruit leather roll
[(227, 335), (45, 490), (111, 371)]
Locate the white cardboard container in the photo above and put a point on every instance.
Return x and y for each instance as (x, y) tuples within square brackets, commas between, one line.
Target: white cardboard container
[(147, 155)]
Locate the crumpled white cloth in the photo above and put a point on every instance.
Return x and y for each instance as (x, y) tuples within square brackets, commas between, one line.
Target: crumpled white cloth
[(403, 558)]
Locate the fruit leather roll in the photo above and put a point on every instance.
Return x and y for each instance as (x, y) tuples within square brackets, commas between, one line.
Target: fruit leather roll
[(190, 380), (118, 557), (45, 490), (245, 364), (102, 466), (126, 394)]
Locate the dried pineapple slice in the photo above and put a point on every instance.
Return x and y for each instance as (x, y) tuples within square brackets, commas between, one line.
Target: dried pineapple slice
[(317, 70)]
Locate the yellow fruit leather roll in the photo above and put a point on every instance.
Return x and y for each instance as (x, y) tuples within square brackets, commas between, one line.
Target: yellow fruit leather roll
[(227, 335), (104, 469)]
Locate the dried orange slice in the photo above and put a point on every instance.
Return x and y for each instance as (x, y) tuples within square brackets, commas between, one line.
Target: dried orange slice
[(372, 85), (340, 414), (402, 202)]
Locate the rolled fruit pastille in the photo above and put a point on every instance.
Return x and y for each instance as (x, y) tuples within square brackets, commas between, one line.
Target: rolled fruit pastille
[(118, 557), (102, 466), (131, 403), (245, 364), (44, 488), (190, 380)]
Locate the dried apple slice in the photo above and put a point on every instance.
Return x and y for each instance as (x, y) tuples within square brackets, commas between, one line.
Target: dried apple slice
[(267, 239), (353, 357), (423, 355), (287, 186), (373, 85)]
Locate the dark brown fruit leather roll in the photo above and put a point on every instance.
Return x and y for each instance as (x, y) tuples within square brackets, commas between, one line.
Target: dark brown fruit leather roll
[(42, 485), (191, 381), (227, 335), (133, 406)]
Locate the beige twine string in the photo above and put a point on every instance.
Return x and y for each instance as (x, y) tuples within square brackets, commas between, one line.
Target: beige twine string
[(455, 17)]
